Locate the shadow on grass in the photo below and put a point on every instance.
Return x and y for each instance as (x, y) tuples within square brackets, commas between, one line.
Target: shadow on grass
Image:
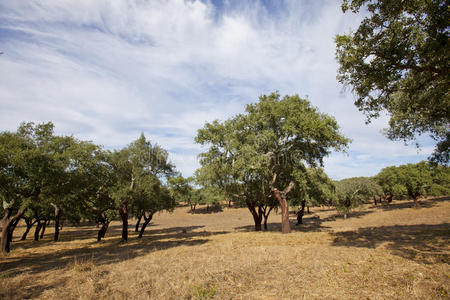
[(424, 203), (310, 224), (422, 243), (207, 210), (109, 251)]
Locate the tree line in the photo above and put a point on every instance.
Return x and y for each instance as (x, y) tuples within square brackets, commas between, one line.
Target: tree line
[(45, 177)]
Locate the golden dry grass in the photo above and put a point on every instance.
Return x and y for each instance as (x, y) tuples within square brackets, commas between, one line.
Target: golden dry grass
[(395, 252)]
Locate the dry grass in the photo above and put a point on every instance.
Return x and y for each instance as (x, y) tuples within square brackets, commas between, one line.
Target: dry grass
[(394, 252)]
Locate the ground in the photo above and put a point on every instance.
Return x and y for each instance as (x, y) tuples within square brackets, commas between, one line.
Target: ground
[(383, 252)]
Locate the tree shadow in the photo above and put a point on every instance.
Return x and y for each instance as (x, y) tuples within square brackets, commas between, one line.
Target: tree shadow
[(424, 203), (426, 244), (310, 224), (207, 210), (109, 251)]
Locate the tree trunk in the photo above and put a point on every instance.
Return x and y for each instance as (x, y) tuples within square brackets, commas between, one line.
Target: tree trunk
[(57, 223), (266, 216), (37, 230), (301, 212), (137, 223), (416, 201), (144, 225), (281, 198), (103, 229), (29, 224), (44, 225), (307, 210), (389, 198), (229, 203), (8, 227), (5, 243), (123, 211), (257, 216)]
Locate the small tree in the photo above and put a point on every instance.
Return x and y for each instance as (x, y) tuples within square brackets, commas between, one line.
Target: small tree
[(352, 192)]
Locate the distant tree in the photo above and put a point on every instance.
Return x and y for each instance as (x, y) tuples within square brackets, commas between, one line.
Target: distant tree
[(352, 192), (398, 61), (315, 188), (390, 181), (261, 153), (181, 189), (412, 181)]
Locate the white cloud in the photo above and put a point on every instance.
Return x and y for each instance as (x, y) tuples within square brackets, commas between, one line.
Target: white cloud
[(109, 70)]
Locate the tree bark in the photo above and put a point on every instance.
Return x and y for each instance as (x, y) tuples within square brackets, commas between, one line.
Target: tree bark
[(136, 229), (8, 227), (123, 211), (44, 225), (57, 223), (144, 225), (281, 198), (29, 222), (257, 216), (103, 229), (266, 216), (37, 230), (301, 212)]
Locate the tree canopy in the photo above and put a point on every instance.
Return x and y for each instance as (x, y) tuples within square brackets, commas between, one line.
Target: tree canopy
[(262, 154), (398, 61)]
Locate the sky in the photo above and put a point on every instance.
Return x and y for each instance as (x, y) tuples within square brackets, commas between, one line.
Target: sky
[(107, 71)]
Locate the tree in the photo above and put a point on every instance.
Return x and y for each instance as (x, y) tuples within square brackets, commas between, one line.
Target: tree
[(265, 151), (181, 190), (411, 180), (29, 169), (352, 192), (149, 197), (314, 188), (132, 166), (398, 61)]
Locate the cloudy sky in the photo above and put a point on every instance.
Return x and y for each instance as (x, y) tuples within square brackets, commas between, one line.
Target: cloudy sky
[(108, 70)]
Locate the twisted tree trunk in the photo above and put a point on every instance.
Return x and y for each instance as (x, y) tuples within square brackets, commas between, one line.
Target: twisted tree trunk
[(281, 198), (136, 229), (29, 223), (146, 221), (103, 229), (8, 225)]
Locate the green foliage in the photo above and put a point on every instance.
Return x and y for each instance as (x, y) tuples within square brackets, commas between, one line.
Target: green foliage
[(398, 61), (414, 180), (266, 148), (352, 192), (315, 187)]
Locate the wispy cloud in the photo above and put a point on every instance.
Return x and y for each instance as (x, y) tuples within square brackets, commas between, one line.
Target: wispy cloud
[(109, 70)]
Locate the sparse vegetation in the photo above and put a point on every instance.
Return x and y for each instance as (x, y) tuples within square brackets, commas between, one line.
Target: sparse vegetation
[(395, 252)]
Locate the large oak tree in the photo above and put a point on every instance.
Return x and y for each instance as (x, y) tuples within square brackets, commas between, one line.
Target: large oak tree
[(398, 61)]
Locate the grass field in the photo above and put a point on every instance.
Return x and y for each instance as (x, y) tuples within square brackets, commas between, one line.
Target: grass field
[(384, 252)]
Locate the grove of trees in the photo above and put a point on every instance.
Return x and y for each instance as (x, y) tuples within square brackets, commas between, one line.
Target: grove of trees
[(47, 177), (268, 157)]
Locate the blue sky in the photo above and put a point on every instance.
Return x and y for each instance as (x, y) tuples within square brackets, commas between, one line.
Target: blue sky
[(108, 70)]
